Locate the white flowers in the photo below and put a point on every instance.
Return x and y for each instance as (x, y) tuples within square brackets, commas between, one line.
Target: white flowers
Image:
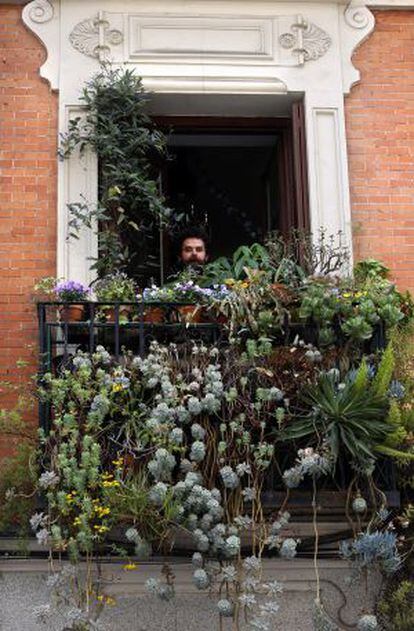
[(368, 623), (48, 479), (308, 462), (197, 560), (164, 591), (249, 494), (232, 546), (292, 477), (201, 579), (359, 505), (42, 612), (198, 451), (162, 465), (176, 436), (37, 520), (42, 537), (197, 432), (229, 477), (288, 548), (252, 564), (132, 534), (194, 406), (225, 608), (158, 493)]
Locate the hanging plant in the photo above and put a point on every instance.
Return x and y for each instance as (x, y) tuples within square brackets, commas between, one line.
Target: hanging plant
[(129, 148)]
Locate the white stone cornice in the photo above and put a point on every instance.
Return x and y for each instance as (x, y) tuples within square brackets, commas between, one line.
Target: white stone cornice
[(42, 17)]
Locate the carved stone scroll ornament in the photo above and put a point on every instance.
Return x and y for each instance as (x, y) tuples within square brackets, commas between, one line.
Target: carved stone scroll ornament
[(306, 40), (94, 37), (40, 11), (357, 15)]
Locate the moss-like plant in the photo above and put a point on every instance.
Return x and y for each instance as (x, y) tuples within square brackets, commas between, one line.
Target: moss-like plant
[(397, 607)]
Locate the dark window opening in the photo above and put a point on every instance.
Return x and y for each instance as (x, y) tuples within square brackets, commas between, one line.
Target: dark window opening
[(237, 178), (227, 183)]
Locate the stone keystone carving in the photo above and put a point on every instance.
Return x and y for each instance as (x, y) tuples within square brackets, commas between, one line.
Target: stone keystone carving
[(306, 40), (94, 37)]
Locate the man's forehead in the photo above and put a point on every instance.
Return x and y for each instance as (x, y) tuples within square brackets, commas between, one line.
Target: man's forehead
[(193, 242)]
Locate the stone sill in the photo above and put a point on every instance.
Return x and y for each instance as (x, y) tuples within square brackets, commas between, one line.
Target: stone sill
[(297, 575)]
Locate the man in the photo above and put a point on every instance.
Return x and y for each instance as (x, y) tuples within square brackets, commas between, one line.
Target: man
[(193, 247)]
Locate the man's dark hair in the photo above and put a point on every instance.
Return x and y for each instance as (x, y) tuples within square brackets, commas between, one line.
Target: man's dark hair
[(192, 232)]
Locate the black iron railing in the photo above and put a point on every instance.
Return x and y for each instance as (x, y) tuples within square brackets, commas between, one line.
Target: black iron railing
[(115, 325)]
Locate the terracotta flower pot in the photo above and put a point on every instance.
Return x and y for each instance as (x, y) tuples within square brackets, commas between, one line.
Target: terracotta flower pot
[(154, 315), (190, 314), (71, 313), (221, 318), (123, 313)]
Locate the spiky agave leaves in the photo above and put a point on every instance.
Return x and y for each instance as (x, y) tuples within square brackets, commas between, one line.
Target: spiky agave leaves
[(349, 416)]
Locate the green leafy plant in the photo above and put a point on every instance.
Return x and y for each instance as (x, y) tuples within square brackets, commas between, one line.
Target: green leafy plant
[(129, 148), (19, 471), (396, 607), (116, 287), (246, 257)]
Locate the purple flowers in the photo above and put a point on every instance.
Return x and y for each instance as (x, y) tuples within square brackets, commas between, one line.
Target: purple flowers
[(70, 290)]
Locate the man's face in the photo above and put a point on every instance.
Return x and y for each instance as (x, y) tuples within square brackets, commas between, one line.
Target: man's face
[(193, 250)]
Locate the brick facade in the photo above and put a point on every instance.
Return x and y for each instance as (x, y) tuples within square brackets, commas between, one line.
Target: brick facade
[(380, 131), (380, 134), (28, 132)]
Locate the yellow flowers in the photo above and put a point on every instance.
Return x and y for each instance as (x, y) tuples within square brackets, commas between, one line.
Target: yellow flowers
[(117, 387), (107, 600), (119, 462), (101, 511), (77, 521), (109, 484), (130, 566), (70, 497), (100, 530), (237, 284)]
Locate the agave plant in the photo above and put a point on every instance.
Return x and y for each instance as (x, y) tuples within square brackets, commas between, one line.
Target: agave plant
[(350, 416)]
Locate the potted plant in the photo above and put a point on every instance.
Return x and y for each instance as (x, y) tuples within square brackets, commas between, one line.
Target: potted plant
[(118, 288), (193, 298), (155, 314), (71, 292)]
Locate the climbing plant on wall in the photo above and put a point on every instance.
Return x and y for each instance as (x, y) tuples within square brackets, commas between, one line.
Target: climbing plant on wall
[(130, 149)]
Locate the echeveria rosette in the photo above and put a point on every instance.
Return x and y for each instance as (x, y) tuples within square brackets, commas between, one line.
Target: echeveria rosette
[(71, 291)]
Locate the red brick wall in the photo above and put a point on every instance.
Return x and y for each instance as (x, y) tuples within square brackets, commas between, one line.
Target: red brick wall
[(380, 133), (28, 133)]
